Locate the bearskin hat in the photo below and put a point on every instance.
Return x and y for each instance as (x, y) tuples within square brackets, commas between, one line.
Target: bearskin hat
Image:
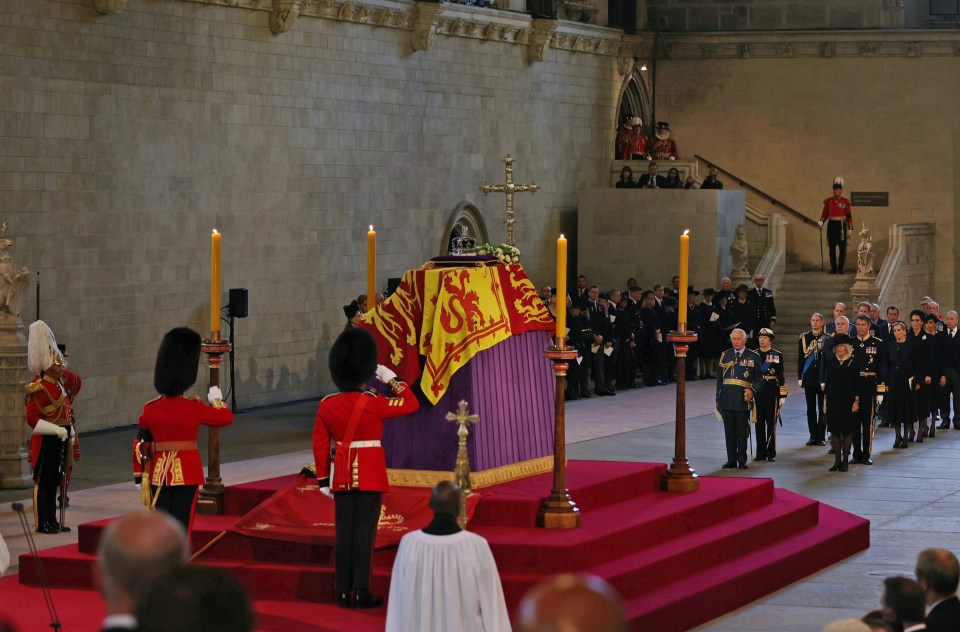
[(42, 348), (178, 360), (353, 359)]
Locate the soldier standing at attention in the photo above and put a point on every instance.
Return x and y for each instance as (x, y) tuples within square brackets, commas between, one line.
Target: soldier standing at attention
[(808, 368), (837, 211), (737, 382), (770, 397)]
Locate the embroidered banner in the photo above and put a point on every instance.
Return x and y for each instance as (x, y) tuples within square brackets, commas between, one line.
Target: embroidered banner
[(448, 315), (300, 513)]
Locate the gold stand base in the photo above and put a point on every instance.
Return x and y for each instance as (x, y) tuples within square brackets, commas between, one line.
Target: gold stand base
[(210, 501), (680, 478), (558, 511)]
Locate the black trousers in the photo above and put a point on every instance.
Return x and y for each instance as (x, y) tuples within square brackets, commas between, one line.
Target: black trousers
[(836, 242), (816, 424), (766, 426), (46, 480), (864, 428), (953, 388), (735, 429), (357, 514), (180, 501)]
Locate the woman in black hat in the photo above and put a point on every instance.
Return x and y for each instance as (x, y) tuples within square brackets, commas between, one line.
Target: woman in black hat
[(353, 420), (352, 312), (841, 383)]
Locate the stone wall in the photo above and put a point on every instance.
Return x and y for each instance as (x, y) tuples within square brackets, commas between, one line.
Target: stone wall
[(761, 15), (909, 268), (790, 113), (125, 138)]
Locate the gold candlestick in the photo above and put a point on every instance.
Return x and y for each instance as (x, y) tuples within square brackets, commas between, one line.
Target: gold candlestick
[(558, 511), (210, 500), (680, 477)]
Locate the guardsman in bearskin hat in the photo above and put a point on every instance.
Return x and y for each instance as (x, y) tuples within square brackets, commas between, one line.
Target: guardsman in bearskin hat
[(353, 418), (49, 413), (770, 396), (836, 211), (167, 441)]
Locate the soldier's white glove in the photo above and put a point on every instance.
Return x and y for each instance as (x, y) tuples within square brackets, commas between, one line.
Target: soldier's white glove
[(800, 383), (324, 484), (672, 158), (384, 374), (879, 399), (214, 395), (819, 223), (46, 428)]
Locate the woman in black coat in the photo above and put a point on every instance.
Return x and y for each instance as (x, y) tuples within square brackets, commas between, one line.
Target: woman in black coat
[(901, 371), (841, 383)]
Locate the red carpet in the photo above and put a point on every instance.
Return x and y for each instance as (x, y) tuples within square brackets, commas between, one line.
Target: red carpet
[(678, 560)]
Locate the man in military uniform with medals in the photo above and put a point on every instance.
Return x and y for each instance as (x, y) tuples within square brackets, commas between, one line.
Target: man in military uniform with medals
[(869, 350), (49, 414), (737, 382), (808, 368), (836, 211), (773, 391)]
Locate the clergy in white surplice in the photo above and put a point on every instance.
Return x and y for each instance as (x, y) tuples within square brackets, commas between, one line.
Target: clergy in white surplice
[(445, 579)]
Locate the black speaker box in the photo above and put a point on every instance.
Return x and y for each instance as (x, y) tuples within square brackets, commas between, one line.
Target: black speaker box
[(238, 303)]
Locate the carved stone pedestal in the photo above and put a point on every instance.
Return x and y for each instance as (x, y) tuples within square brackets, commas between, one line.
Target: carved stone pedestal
[(14, 466), (865, 289)]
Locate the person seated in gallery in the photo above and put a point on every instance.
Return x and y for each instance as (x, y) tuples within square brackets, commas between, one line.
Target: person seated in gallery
[(626, 179), (673, 179), (652, 180), (711, 181)]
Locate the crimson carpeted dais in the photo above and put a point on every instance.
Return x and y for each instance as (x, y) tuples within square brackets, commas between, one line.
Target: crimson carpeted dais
[(678, 560)]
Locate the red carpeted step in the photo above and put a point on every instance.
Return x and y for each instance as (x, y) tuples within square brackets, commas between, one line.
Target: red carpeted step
[(205, 528), (710, 593), (238, 500), (65, 567), (614, 530)]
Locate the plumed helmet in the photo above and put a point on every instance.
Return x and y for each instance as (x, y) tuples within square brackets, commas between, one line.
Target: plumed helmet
[(42, 349), (178, 361), (353, 359), (838, 183)]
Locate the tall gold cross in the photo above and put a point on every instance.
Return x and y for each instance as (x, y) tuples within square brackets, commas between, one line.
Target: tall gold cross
[(510, 188), (461, 472)]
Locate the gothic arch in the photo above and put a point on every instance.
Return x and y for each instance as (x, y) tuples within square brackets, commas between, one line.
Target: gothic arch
[(635, 101), (469, 215)]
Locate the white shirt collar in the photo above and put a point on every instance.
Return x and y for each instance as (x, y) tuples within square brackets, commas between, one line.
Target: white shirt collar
[(120, 621)]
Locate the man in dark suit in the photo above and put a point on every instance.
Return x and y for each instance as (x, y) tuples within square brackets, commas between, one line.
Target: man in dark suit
[(951, 356), (738, 381), (602, 338), (762, 299), (134, 552), (579, 294), (886, 326), (651, 180), (938, 573)]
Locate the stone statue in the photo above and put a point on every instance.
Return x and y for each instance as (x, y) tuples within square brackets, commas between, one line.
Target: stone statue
[(13, 279), (738, 254), (865, 255)]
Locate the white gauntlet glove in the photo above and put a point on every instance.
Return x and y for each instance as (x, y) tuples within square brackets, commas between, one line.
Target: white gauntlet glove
[(879, 399), (384, 374), (800, 383), (819, 223), (214, 395), (44, 427)]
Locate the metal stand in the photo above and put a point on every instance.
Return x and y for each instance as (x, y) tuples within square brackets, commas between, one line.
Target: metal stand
[(559, 511), (680, 477), (210, 501)]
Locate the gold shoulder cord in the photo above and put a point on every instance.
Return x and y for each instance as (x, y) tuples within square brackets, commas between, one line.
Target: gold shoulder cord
[(808, 349), (726, 367)]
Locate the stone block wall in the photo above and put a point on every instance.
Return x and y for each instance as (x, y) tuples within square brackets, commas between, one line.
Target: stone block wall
[(760, 15), (124, 139)]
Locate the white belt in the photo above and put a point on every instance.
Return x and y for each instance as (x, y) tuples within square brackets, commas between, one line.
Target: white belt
[(364, 444)]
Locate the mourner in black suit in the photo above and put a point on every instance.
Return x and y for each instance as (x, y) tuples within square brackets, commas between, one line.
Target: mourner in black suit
[(938, 574), (602, 338), (808, 368), (651, 340), (580, 338), (711, 334), (738, 381), (652, 180), (762, 299), (745, 314), (951, 356), (900, 408), (773, 390)]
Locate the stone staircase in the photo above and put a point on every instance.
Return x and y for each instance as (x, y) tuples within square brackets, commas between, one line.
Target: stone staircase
[(801, 293)]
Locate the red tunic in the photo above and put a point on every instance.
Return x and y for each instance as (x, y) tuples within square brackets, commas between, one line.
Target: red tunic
[(837, 208), (333, 416), (179, 419), (625, 144), (50, 400)]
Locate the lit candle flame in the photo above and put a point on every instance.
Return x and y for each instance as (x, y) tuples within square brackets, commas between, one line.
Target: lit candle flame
[(686, 232), (371, 226), (214, 231)]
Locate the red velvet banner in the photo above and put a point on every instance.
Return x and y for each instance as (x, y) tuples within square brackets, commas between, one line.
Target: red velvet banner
[(300, 513)]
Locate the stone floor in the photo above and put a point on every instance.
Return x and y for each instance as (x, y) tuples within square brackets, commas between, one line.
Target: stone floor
[(910, 496)]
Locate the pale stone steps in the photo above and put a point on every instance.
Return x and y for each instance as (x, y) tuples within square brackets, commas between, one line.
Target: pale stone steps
[(801, 294)]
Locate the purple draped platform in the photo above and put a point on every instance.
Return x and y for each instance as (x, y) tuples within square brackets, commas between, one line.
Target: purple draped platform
[(511, 386)]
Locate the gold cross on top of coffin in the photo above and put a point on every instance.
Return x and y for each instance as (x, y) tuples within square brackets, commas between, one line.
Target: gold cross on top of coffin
[(510, 188)]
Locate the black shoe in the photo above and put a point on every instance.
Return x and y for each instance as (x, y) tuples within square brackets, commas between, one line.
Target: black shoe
[(585, 396), (771, 459), (48, 528), (832, 451), (844, 467), (759, 458), (821, 442), (728, 466), (855, 458), (812, 442), (944, 426), (56, 525), (343, 600), (836, 466), (742, 466), (866, 460), (661, 383), (366, 599)]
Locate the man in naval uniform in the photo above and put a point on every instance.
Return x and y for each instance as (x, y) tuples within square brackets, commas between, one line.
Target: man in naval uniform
[(808, 368), (49, 413), (869, 350), (738, 380), (769, 398), (762, 298)]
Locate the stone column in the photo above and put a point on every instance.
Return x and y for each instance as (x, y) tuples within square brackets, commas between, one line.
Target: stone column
[(14, 466)]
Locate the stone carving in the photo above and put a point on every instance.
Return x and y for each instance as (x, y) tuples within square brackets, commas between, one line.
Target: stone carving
[(912, 49), (827, 49), (283, 15), (745, 50), (865, 256), (13, 280), (425, 25), (738, 254), (543, 32), (107, 7), (869, 48), (625, 65)]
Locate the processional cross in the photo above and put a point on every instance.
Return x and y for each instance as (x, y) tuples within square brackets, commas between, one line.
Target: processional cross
[(462, 471), (510, 188)]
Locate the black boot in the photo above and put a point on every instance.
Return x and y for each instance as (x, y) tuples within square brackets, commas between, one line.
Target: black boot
[(847, 444), (835, 448), (344, 600), (365, 599)]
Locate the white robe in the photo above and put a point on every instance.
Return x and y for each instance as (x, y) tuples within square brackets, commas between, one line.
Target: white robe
[(445, 583)]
